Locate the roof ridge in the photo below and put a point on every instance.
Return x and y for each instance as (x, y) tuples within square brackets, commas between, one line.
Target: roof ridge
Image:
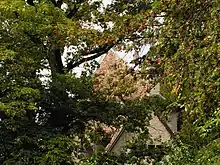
[(109, 52)]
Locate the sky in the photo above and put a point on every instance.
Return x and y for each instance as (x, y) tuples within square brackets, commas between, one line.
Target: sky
[(128, 57), (106, 2)]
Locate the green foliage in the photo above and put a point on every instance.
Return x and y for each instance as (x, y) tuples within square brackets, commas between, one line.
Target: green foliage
[(189, 48), (23, 142), (42, 116), (47, 121)]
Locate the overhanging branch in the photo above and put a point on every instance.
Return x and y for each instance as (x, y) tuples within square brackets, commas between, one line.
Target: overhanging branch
[(57, 3), (75, 8), (97, 53)]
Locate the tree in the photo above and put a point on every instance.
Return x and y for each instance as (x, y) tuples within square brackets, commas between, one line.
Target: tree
[(45, 121), (189, 49), (51, 121)]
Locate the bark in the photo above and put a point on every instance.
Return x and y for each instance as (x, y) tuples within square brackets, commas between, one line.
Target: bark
[(55, 62)]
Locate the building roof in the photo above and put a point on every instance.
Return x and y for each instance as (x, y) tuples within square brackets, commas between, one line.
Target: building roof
[(117, 135), (114, 76), (109, 60), (111, 77)]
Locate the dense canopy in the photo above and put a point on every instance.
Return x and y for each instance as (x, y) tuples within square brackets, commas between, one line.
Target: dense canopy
[(48, 112)]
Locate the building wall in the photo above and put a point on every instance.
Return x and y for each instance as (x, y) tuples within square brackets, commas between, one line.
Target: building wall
[(120, 144), (172, 123), (157, 132), (155, 90)]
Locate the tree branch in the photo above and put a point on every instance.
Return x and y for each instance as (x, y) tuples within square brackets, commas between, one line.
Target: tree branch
[(31, 2), (74, 10), (34, 38), (98, 52), (57, 3), (54, 2)]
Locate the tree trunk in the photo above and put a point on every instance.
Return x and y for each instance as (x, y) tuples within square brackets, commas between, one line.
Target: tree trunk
[(55, 61)]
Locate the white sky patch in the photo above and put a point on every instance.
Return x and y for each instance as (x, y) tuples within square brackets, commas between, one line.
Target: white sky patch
[(107, 2), (97, 27), (161, 19), (45, 74), (64, 6), (129, 56), (91, 25), (78, 70), (126, 56)]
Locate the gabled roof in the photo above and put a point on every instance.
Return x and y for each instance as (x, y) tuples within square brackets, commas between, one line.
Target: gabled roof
[(110, 65), (114, 139), (121, 131), (114, 74), (109, 60)]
